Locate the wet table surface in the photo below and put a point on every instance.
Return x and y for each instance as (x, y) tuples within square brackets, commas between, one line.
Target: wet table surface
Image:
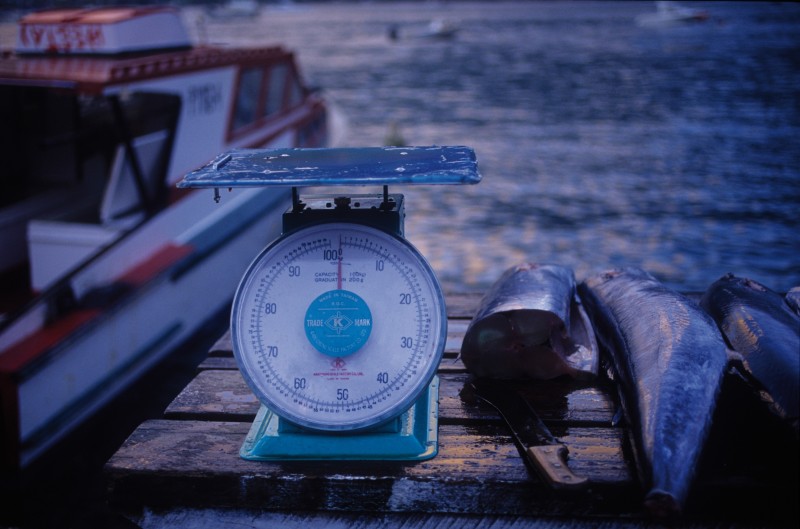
[(185, 469)]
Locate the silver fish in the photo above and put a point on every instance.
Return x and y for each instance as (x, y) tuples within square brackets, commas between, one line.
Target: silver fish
[(760, 326), (669, 359), (793, 299), (531, 325)]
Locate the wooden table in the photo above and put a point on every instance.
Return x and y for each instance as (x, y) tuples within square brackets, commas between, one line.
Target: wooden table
[(186, 469)]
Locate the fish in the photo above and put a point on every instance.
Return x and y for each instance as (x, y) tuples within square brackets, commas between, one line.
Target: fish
[(668, 359), (760, 325), (531, 325), (793, 299)]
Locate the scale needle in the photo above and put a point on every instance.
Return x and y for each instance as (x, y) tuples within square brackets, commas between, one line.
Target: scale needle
[(339, 269)]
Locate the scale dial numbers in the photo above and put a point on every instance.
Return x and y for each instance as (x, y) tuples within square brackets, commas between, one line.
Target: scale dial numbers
[(338, 326)]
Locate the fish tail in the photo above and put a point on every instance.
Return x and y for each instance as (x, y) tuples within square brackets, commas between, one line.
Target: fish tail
[(663, 505)]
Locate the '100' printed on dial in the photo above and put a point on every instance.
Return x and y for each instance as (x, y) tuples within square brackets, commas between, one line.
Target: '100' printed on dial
[(341, 327)]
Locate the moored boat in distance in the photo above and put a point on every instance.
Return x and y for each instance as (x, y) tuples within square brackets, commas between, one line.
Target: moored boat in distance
[(671, 13), (436, 29), (106, 266), (236, 9)]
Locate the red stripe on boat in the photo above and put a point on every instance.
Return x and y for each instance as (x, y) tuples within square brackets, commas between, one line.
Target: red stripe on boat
[(15, 357), (24, 351), (163, 258)]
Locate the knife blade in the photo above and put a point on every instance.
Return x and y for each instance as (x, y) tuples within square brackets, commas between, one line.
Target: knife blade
[(540, 450)]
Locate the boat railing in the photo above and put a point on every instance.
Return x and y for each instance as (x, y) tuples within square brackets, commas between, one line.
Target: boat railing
[(198, 58)]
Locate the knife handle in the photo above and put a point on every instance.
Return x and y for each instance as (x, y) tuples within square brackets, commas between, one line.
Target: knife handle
[(551, 462)]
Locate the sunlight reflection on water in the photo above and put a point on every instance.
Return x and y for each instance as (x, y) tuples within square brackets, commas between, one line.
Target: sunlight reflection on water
[(601, 143)]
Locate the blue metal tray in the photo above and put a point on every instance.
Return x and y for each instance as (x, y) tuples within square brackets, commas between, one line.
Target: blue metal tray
[(337, 166)]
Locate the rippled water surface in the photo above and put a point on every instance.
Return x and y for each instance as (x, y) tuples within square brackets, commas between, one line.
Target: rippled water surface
[(601, 143)]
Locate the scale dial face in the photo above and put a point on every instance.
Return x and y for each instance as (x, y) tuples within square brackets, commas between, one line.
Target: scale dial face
[(338, 326)]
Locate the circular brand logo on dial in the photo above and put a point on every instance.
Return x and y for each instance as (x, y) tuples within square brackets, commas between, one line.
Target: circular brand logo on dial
[(338, 323)]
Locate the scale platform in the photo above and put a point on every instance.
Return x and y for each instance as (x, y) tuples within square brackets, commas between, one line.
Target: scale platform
[(384, 405), (360, 166)]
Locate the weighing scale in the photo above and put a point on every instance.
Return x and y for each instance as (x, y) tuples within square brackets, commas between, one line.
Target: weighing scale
[(339, 325)]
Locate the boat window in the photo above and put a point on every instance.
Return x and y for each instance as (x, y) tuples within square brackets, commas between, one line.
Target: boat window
[(247, 97), (58, 140), (277, 85), (36, 128), (312, 134), (65, 158), (38, 140), (295, 92)]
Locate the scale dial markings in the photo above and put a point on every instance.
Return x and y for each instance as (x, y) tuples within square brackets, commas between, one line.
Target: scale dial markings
[(339, 326)]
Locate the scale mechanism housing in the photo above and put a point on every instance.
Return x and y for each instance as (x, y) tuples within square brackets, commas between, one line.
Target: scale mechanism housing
[(286, 428), (385, 212)]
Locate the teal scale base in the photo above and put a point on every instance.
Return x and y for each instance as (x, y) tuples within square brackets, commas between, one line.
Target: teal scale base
[(413, 436)]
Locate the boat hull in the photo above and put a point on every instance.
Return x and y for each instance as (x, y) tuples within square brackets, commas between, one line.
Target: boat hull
[(120, 266), (78, 368)]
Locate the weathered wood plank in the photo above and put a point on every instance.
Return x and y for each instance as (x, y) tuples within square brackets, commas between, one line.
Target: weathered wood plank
[(204, 518), (480, 452), (190, 460), (462, 304), (451, 363), (218, 363), (478, 470), (178, 464), (456, 329), (223, 395), (221, 353), (215, 395), (555, 401), (455, 336), (223, 346), (199, 518)]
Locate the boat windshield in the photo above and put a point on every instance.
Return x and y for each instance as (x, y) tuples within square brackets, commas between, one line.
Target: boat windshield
[(84, 159), (60, 140)]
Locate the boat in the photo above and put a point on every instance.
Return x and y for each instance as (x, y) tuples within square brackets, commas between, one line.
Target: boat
[(440, 29), (436, 29), (671, 13), (106, 265), (236, 9)]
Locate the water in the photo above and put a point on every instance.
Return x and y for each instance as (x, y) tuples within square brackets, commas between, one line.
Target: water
[(601, 143)]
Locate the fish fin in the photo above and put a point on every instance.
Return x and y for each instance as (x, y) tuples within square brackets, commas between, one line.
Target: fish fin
[(734, 358), (738, 367), (583, 362), (611, 375), (582, 334), (619, 417)]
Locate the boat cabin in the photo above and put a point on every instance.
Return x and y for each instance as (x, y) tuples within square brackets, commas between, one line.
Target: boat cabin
[(102, 114), (105, 263)]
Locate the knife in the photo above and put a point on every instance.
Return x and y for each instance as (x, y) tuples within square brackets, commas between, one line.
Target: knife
[(540, 450)]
